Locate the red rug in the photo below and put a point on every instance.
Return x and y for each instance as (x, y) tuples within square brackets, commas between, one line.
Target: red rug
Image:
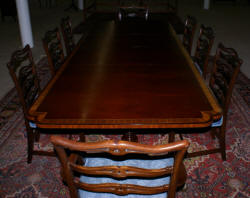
[(208, 176)]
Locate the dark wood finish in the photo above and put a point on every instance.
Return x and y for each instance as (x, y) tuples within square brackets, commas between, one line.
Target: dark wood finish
[(54, 50), (225, 70), (133, 74), (120, 148), (67, 33), (189, 31), (204, 45), (23, 72)]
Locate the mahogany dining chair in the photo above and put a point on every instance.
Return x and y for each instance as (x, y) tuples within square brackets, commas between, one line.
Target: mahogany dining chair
[(156, 173), (23, 72), (226, 67)]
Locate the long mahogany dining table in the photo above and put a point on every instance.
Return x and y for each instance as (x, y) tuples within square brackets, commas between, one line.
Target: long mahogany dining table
[(131, 74)]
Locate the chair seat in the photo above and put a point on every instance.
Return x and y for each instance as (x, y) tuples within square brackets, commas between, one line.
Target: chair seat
[(217, 123), (197, 66), (141, 163), (32, 125)]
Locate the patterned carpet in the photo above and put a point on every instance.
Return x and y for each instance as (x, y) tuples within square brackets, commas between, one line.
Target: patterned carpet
[(208, 176)]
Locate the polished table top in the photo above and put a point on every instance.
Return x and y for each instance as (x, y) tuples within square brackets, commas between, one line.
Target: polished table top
[(130, 74)]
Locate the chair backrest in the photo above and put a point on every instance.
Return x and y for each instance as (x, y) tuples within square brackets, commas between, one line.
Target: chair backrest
[(188, 35), (23, 72), (67, 33), (53, 47), (120, 148), (133, 8), (226, 67), (203, 48)]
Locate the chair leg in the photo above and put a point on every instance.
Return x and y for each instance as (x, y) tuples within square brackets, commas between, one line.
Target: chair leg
[(213, 133), (171, 137), (30, 141), (222, 142), (82, 137)]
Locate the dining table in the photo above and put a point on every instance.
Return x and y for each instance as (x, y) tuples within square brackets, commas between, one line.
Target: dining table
[(131, 74)]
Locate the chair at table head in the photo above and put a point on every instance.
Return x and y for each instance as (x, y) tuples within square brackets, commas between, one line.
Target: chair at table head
[(97, 178), (23, 72), (203, 48), (132, 9), (188, 35), (53, 47), (67, 33)]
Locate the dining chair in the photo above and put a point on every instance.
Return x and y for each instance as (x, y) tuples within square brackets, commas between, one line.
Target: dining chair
[(226, 67), (133, 8), (23, 72), (189, 31), (54, 50), (204, 44), (67, 33), (117, 167)]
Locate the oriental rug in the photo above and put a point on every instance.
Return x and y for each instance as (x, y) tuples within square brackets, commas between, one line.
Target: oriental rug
[(208, 176)]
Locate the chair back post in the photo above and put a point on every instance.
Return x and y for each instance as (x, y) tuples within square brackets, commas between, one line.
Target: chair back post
[(54, 50), (67, 172), (203, 48), (66, 28), (173, 182), (189, 31)]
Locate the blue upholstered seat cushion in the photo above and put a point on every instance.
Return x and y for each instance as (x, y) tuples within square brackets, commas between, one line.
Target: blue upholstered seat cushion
[(198, 67), (141, 163), (32, 125), (217, 123)]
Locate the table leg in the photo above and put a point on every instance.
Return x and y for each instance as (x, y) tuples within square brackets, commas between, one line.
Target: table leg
[(130, 136)]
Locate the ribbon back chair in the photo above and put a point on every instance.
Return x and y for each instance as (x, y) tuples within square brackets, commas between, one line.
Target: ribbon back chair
[(54, 50), (23, 72), (203, 48), (224, 73), (94, 178), (188, 35), (67, 33), (226, 67)]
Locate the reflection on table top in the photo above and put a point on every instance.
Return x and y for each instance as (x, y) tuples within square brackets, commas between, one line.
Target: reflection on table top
[(130, 74)]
